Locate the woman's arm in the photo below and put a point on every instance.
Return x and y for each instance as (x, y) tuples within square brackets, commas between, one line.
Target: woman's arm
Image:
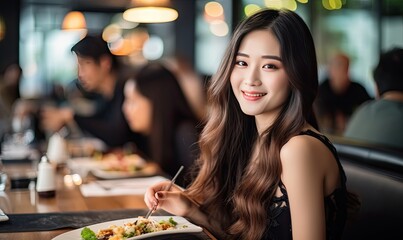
[(303, 175), (177, 202)]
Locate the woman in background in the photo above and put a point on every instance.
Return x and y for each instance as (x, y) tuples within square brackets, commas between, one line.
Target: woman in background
[(156, 107)]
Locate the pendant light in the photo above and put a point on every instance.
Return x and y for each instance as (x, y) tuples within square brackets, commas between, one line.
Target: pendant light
[(74, 20), (150, 11)]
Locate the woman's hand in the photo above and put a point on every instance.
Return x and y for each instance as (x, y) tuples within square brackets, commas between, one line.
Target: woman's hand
[(174, 201), (178, 203)]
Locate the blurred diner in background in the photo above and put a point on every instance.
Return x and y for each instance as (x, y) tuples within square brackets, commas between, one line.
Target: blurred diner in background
[(338, 96), (117, 100), (380, 121), (156, 106), (94, 101)]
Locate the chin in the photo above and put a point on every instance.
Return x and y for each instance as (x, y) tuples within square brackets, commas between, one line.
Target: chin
[(250, 112)]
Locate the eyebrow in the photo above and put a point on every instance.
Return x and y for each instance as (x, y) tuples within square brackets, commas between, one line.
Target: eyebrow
[(264, 56)]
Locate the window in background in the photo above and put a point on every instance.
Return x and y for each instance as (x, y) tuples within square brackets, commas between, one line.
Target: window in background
[(213, 31), (45, 55), (352, 29), (392, 24)]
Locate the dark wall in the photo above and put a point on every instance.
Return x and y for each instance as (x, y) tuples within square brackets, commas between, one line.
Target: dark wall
[(185, 29), (9, 45)]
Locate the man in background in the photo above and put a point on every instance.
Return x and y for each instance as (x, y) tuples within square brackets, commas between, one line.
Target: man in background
[(380, 121), (95, 99), (338, 96)]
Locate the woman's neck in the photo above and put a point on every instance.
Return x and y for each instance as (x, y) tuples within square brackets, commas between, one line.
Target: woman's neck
[(265, 120)]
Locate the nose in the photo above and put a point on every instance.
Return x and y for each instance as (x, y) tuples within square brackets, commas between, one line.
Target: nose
[(252, 77), (79, 72)]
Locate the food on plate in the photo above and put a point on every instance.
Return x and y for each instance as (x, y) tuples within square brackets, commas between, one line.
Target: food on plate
[(130, 229), (88, 234), (124, 163)]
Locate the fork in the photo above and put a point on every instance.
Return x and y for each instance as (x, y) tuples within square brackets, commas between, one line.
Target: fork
[(167, 189)]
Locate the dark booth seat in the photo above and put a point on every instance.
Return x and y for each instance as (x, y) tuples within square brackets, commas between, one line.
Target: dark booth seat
[(376, 175)]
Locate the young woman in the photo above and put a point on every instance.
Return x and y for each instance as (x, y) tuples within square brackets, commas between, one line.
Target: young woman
[(156, 107), (265, 171)]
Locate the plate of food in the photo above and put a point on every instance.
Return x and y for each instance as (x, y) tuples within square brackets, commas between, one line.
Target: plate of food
[(132, 228), (114, 166)]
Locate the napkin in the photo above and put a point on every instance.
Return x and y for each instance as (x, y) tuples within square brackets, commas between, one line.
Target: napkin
[(131, 186)]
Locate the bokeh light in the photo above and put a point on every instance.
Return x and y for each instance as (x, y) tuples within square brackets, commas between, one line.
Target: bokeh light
[(219, 28), (278, 4), (214, 9), (112, 33), (251, 9), (153, 48)]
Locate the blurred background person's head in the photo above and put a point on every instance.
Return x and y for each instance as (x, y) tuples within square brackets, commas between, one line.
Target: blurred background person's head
[(96, 63), (388, 74), (10, 83), (156, 107), (338, 70), (9, 94)]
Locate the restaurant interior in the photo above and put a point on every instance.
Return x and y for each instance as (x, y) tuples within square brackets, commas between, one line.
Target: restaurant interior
[(38, 35)]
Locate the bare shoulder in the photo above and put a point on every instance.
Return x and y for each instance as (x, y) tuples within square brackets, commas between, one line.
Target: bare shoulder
[(304, 153), (300, 147), (307, 161)]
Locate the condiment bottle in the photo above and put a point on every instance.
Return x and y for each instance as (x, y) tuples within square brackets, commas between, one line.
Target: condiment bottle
[(46, 181)]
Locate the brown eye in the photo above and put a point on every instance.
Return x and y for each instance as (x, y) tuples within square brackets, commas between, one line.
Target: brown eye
[(241, 63), (269, 66)]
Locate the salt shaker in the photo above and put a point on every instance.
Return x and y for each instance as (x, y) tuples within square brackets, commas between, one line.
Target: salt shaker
[(46, 181)]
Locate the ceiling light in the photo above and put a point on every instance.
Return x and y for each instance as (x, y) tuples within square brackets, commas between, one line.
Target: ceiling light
[(74, 20), (150, 14), (151, 11)]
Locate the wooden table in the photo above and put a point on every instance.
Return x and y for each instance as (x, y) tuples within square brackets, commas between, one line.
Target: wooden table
[(67, 199)]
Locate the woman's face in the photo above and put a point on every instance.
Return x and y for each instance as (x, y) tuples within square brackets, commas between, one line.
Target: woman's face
[(137, 109), (259, 80)]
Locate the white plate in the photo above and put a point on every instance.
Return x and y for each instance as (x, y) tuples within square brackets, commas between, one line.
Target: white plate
[(191, 228), (148, 170), (86, 164)]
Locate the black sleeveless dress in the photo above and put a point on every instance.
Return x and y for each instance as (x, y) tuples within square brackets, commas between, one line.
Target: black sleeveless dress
[(279, 224)]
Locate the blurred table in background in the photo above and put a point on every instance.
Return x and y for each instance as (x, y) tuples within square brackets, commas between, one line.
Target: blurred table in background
[(68, 199)]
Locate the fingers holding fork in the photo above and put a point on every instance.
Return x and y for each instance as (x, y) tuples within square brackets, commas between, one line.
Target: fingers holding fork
[(169, 186)]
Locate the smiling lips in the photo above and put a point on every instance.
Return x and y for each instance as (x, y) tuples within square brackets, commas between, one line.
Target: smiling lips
[(253, 96)]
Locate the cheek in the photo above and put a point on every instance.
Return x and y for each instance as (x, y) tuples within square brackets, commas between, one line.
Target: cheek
[(148, 116), (141, 117), (284, 90), (130, 111), (235, 81), (130, 115)]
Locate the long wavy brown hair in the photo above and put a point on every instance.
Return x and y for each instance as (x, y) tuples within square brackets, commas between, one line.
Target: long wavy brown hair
[(229, 187)]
